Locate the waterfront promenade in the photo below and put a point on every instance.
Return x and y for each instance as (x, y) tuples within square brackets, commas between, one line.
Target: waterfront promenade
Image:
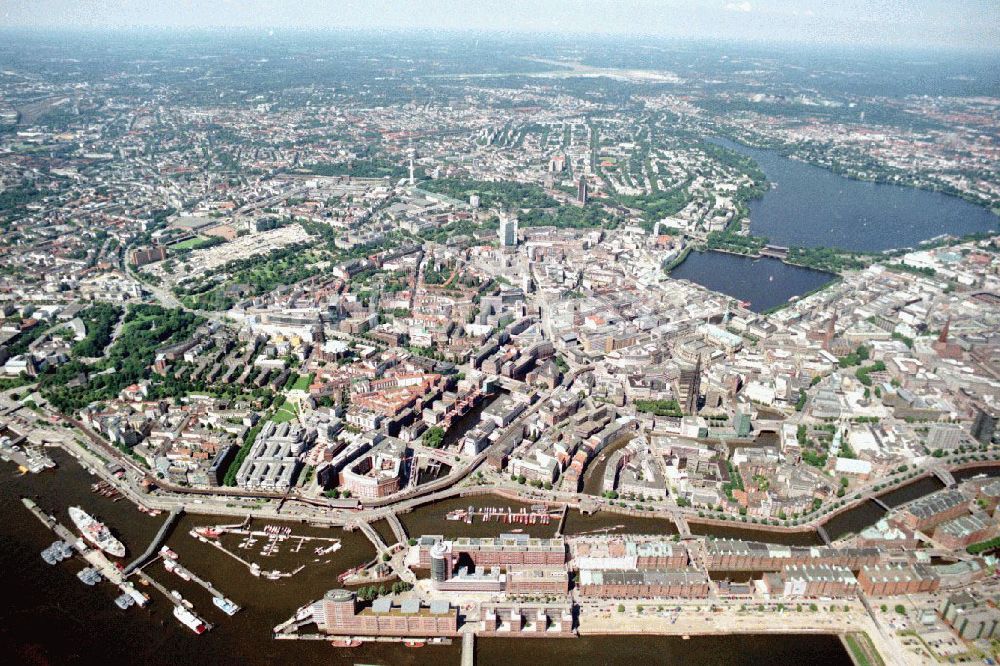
[(704, 618)]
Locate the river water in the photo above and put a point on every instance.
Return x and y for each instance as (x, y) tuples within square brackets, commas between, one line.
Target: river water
[(47, 616), (809, 206), (764, 282)]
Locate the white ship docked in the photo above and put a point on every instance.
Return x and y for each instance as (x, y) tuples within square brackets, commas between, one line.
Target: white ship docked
[(96, 532), (190, 620)]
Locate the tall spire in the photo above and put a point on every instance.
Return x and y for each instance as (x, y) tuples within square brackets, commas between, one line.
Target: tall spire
[(830, 331), (943, 337)]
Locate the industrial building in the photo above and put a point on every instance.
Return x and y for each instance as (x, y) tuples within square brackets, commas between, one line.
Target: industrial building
[(629, 553), (502, 574), (506, 550), (522, 619), (612, 584), (735, 555), (969, 617), (897, 578), (958, 533), (810, 580), (273, 461), (929, 511), (340, 613)]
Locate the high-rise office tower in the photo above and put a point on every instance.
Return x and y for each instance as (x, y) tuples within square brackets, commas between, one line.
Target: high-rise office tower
[(984, 426), (508, 229)]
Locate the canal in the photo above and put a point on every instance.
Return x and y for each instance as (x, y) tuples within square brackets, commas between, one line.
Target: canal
[(808, 206), (593, 477), (868, 513)]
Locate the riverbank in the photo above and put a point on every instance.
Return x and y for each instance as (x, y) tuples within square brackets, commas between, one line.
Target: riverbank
[(658, 522), (709, 620), (43, 597)]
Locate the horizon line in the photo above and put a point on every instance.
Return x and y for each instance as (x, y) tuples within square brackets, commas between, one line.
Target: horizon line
[(427, 32)]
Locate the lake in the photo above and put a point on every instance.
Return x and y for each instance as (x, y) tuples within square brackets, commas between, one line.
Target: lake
[(809, 206), (764, 282)]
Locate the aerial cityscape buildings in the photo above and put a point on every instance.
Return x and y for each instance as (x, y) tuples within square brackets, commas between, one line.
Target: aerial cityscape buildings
[(406, 344)]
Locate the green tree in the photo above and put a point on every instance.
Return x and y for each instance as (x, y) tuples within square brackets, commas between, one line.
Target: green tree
[(434, 437)]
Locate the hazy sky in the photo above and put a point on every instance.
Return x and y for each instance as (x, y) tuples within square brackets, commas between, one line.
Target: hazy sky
[(949, 23)]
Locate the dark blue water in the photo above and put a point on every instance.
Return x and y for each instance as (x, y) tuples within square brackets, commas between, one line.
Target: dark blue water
[(765, 282), (813, 207)]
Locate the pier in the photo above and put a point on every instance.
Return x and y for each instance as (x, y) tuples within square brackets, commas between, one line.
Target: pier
[(30, 457), (94, 557), (201, 581), (157, 586), (273, 536), (539, 515), (174, 600), (255, 569), (157, 541), (468, 648), (213, 542)]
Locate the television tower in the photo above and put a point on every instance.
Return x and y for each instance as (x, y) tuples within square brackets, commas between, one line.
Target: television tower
[(410, 153)]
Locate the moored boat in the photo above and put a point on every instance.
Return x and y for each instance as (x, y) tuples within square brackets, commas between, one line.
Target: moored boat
[(173, 567), (96, 532), (190, 620), (225, 605)]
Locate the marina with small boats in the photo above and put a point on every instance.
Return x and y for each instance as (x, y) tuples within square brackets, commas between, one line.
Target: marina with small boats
[(268, 541), (537, 514), (97, 540)]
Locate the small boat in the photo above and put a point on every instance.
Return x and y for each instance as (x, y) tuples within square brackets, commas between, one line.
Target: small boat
[(345, 643), (190, 620), (124, 601), (347, 574), (181, 600), (89, 576), (168, 553), (225, 605), (414, 644), (173, 567)]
